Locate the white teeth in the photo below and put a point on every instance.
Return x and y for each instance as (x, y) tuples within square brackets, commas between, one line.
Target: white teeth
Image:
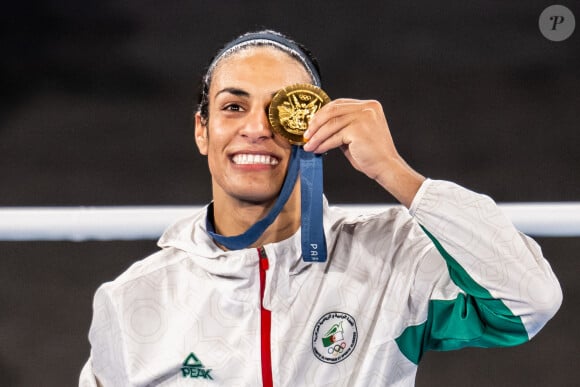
[(254, 159)]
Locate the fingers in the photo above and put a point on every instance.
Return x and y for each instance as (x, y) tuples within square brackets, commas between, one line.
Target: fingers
[(341, 122), (334, 109), (330, 135)]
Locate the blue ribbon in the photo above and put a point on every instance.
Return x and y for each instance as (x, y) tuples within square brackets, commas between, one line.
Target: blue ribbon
[(252, 234), (313, 240)]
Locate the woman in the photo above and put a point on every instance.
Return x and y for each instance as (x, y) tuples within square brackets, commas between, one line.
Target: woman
[(229, 300)]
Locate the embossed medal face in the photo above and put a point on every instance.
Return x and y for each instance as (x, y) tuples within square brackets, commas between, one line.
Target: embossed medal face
[(292, 108)]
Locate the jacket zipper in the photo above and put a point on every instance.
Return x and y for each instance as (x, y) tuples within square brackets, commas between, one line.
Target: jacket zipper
[(266, 322)]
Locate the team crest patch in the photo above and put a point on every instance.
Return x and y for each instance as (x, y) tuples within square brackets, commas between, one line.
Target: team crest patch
[(334, 337)]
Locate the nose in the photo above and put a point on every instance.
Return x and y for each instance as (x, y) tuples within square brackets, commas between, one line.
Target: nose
[(257, 127)]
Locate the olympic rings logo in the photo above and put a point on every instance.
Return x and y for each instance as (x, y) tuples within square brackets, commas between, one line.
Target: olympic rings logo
[(338, 348)]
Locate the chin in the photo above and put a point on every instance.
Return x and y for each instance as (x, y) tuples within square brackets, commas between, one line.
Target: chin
[(257, 199)]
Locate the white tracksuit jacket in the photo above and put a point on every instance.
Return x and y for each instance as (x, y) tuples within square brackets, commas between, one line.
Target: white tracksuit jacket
[(449, 273)]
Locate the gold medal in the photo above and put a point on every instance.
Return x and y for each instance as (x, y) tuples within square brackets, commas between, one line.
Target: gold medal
[(292, 108)]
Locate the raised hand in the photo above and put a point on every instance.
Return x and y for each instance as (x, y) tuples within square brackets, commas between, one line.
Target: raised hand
[(359, 128)]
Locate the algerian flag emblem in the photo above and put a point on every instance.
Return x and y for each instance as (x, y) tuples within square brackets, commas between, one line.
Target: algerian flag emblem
[(334, 334), (334, 337)]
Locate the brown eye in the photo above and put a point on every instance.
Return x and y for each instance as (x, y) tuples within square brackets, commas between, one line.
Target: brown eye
[(233, 107)]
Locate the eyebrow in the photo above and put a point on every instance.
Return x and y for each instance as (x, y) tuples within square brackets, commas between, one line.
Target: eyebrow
[(235, 91)]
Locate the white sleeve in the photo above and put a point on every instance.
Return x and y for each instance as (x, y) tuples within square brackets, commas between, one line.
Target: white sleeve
[(480, 243), (107, 344), (87, 378)]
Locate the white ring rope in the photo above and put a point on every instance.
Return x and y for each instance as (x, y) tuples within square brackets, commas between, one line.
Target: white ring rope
[(134, 223)]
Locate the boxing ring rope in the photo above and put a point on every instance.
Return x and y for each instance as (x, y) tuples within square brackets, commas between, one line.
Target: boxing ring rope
[(559, 219)]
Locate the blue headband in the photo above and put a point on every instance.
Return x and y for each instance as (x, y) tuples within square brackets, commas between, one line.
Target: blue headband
[(267, 38)]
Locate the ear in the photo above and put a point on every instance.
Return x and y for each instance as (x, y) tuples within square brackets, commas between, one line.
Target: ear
[(200, 134)]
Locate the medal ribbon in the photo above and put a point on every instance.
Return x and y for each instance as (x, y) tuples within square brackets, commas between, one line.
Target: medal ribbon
[(313, 240), (252, 234), (309, 165)]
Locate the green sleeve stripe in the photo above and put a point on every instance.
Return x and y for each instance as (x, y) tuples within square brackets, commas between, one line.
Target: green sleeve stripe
[(474, 319)]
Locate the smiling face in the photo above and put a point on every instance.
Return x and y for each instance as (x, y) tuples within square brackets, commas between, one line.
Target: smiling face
[(247, 161)]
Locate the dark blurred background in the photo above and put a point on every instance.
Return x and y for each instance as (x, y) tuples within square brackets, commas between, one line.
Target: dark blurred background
[(96, 108)]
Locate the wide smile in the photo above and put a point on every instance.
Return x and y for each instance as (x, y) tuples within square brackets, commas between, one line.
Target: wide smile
[(254, 159)]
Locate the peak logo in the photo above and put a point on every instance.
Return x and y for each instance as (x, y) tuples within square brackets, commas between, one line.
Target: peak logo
[(193, 368)]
